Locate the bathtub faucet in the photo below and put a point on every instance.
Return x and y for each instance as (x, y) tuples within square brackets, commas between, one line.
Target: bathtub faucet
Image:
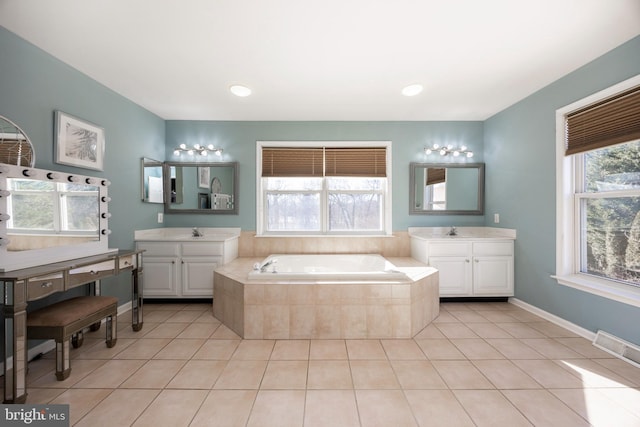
[(263, 267), (453, 232), (196, 233)]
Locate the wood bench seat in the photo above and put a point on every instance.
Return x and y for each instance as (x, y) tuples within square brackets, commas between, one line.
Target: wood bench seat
[(66, 319)]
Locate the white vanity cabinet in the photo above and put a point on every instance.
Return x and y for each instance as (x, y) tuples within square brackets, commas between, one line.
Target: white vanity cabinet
[(184, 269), (470, 265)]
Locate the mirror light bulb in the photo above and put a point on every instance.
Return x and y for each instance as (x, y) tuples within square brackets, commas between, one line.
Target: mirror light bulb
[(469, 154)]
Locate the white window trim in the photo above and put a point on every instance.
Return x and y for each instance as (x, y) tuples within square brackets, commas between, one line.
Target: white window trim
[(567, 214), (260, 219)]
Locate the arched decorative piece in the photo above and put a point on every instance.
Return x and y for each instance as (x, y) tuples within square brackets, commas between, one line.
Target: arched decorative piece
[(15, 145)]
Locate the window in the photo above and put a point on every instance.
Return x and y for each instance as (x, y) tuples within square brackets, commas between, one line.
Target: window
[(52, 207), (598, 227), (324, 188)]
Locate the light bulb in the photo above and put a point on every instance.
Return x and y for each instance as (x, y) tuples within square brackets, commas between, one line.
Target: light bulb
[(456, 153), (463, 148), (210, 146), (203, 153), (183, 146), (469, 154), (190, 152), (427, 150), (176, 152), (443, 152), (436, 146), (218, 153), (196, 146)]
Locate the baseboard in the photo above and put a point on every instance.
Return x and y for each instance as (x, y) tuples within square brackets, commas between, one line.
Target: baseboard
[(579, 330)]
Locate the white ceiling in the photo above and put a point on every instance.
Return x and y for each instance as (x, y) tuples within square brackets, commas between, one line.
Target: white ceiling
[(324, 59)]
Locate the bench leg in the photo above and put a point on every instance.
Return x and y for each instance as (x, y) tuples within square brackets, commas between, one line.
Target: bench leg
[(111, 331), (63, 365), (95, 327), (77, 339)]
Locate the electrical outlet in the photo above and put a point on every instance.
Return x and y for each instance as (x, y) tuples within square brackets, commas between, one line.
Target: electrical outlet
[(160, 217), (496, 218)]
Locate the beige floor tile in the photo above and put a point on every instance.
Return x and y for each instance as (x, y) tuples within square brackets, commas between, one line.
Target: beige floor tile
[(144, 348), (373, 374), (477, 349), (254, 350), (437, 408), (417, 374), (285, 375), (519, 330), (328, 350), (584, 347), (622, 368), (278, 408), (198, 374), (384, 408), (99, 350), (126, 331), (593, 374), (179, 348), (329, 375), (217, 349), (184, 316), (291, 350), (120, 408), (498, 316), (592, 405), (488, 330), (505, 375), (156, 316), (544, 409), (166, 330), (461, 374), (343, 410), (198, 330), (551, 330), (225, 333), (440, 349), (429, 332), (489, 408), (207, 317), (402, 350), (241, 374), (229, 408), (79, 370), (42, 395), (548, 373), (551, 349), (201, 307), (456, 330), (172, 408), (445, 317), (514, 348), (111, 374), (365, 350), (627, 397), (468, 316), (154, 374), (80, 401)]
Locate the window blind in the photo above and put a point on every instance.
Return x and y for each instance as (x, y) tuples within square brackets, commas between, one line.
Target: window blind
[(607, 122), (329, 161), (435, 176)]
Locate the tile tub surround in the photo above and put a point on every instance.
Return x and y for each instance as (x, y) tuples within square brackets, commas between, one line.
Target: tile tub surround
[(327, 310)]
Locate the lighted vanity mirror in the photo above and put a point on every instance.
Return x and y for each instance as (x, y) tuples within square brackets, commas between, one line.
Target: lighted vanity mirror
[(48, 216), (446, 189), (210, 188), (151, 188)]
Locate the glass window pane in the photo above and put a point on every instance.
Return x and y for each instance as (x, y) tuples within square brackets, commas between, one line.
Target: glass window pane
[(613, 168), (293, 212), (355, 212), (355, 184), (33, 211), (293, 184), (30, 185), (612, 230), (81, 213)]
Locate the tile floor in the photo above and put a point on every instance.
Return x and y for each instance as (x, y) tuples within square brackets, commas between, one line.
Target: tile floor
[(478, 364)]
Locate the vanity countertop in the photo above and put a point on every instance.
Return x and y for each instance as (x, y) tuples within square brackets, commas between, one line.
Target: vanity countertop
[(462, 233), (185, 234)]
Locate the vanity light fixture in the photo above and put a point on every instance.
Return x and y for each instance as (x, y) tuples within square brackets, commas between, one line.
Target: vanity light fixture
[(198, 149), (449, 149)]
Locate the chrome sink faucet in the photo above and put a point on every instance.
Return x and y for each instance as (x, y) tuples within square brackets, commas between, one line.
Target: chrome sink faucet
[(196, 233), (452, 232)]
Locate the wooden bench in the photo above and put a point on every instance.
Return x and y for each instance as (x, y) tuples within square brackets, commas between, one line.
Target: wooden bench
[(64, 321)]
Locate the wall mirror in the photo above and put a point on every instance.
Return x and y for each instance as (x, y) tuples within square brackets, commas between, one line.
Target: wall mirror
[(151, 189), (15, 145), (201, 188), (446, 189)]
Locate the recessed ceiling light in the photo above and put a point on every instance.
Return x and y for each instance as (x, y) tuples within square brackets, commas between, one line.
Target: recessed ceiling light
[(239, 90), (412, 90)]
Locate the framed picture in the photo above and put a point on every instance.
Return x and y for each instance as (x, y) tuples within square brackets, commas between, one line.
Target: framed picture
[(203, 177), (78, 142)]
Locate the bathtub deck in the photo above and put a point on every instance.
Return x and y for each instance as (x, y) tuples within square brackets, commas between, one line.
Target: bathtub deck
[(296, 309)]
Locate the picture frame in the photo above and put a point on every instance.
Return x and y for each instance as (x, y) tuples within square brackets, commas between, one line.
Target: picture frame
[(78, 142), (203, 177)]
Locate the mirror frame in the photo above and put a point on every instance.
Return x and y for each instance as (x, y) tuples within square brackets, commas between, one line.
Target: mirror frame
[(166, 177), (412, 185), (147, 162)]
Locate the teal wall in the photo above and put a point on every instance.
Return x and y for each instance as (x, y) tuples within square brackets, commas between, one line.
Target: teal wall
[(520, 152), (33, 85), (517, 145)]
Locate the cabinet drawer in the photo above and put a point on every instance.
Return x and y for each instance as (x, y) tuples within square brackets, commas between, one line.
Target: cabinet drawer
[(159, 248), (449, 249), (40, 287), (202, 249), (493, 248), (127, 262), (89, 273)]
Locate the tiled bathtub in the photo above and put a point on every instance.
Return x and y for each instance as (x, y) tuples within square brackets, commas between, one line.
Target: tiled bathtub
[(326, 309)]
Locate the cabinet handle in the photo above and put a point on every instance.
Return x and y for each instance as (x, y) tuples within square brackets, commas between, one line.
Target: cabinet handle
[(476, 260), (466, 260), (173, 262), (46, 285), (182, 261)]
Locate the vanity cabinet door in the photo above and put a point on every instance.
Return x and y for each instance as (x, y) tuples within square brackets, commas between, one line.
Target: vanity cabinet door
[(161, 276), (197, 275), (455, 275), (493, 275)]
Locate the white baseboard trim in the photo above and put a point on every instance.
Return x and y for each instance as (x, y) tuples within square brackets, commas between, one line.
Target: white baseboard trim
[(49, 345), (579, 330)]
